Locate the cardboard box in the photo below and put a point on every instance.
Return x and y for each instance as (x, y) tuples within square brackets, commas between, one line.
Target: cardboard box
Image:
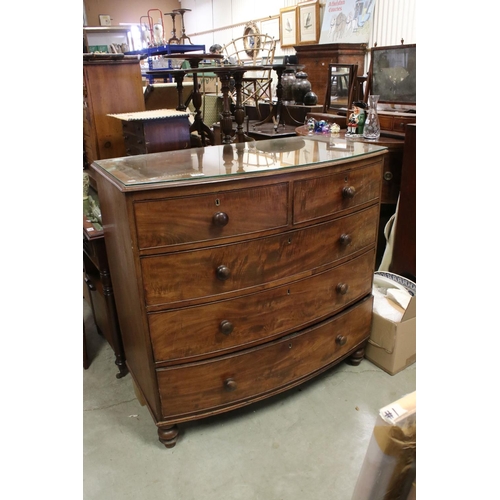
[(392, 346), (389, 467)]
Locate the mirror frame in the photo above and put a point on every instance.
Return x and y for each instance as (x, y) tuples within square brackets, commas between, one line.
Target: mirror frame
[(351, 71), (391, 55)]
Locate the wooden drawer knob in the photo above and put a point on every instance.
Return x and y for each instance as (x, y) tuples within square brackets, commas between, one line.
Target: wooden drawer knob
[(342, 288), (341, 339), (226, 327), (345, 239), (220, 219), (348, 192), (230, 384), (223, 273)]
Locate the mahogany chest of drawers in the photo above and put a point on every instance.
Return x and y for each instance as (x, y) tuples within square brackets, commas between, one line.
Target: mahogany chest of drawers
[(240, 270)]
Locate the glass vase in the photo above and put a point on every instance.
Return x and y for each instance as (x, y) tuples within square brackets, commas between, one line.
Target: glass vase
[(371, 129)]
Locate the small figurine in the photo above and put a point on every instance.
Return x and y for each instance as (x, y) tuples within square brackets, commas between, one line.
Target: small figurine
[(311, 125), (356, 121)]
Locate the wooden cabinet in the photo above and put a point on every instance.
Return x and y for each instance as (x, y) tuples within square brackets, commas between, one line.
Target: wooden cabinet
[(317, 59), (109, 86), (404, 259), (154, 131), (241, 270)]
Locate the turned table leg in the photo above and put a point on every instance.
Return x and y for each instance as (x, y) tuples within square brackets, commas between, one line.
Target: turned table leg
[(168, 435)]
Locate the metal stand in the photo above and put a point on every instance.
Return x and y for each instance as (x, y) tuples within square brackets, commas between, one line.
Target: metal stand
[(173, 38), (183, 35)]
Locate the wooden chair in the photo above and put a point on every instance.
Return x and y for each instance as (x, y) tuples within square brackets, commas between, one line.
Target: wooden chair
[(253, 50)]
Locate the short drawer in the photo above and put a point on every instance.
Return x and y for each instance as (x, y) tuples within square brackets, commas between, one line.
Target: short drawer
[(237, 379), (210, 273), (175, 221), (194, 332), (326, 195), (395, 123)]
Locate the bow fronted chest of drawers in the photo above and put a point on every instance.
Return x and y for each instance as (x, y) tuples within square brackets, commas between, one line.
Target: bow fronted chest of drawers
[(239, 270)]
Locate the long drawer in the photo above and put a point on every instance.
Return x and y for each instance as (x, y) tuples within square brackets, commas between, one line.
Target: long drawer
[(192, 333), (174, 221), (197, 389), (210, 273)]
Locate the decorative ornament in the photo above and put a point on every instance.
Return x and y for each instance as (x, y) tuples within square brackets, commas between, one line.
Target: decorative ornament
[(251, 42)]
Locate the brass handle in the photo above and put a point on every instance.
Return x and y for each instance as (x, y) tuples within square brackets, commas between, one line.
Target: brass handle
[(226, 327), (345, 239), (230, 384), (223, 273), (349, 192), (89, 283), (220, 219), (341, 339), (342, 288)]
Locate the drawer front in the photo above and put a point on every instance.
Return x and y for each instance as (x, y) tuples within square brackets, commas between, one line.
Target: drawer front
[(324, 196), (395, 123), (214, 329), (210, 273), (170, 222), (238, 379)]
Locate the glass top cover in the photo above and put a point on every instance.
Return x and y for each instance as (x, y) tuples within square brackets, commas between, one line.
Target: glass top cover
[(232, 159)]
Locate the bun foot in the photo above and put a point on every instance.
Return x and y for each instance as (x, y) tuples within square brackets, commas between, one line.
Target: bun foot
[(168, 435), (356, 358)]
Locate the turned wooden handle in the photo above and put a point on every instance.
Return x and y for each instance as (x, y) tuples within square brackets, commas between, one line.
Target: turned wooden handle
[(226, 327), (341, 339), (223, 273), (220, 219), (342, 288), (230, 384), (348, 192), (345, 239)]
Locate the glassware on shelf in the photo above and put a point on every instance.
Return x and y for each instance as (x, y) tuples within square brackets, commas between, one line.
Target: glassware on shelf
[(371, 130)]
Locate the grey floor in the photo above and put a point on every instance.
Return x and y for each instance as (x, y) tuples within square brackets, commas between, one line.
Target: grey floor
[(306, 444)]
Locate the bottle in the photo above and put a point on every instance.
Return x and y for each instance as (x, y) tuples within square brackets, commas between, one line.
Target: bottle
[(371, 129)]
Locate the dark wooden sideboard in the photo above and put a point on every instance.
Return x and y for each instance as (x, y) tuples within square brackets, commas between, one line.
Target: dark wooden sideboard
[(247, 270), (317, 58)]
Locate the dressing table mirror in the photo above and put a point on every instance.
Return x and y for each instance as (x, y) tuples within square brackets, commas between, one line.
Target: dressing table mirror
[(340, 88)]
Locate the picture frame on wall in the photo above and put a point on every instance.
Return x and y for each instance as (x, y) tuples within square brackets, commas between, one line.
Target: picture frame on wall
[(104, 20), (288, 26), (308, 22)]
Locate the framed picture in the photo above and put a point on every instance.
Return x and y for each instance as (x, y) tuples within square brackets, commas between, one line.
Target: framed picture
[(288, 26), (104, 20), (308, 22)]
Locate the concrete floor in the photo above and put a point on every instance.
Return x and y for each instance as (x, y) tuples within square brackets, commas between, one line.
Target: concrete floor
[(306, 444)]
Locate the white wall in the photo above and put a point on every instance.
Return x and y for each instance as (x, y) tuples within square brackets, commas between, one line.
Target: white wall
[(393, 20)]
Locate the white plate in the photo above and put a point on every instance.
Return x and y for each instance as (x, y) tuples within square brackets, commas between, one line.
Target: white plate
[(392, 280)]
